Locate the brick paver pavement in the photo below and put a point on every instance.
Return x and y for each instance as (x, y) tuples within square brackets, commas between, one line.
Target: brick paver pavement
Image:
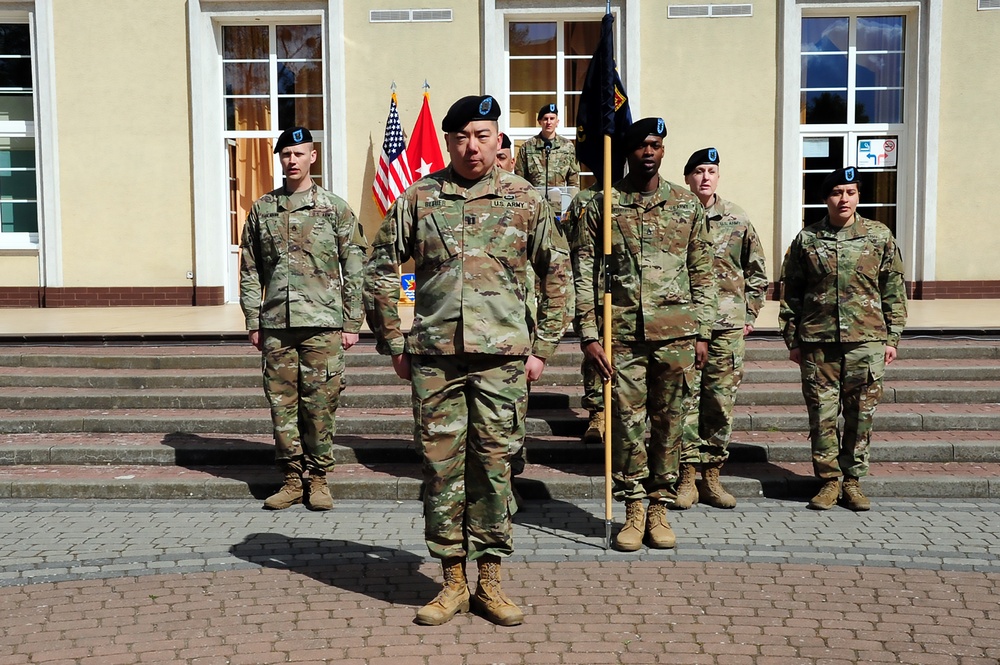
[(769, 583)]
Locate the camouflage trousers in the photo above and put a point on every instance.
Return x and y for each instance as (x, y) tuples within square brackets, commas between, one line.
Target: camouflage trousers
[(653, 378), (303, 377), (469, 419), (847, 379), (593, 388), (708, 419)]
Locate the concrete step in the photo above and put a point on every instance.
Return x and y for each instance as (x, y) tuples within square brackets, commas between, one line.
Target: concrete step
[(235, 450), (398, 396), (401, 482)]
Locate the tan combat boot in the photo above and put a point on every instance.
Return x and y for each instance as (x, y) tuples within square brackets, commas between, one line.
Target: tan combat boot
[(291, 492), (490, 600), (827, 496), (595, 429), (319, 491), (854, 498), (660, 535), (687, 490), (710, 489), (452, 599), (629, 539)]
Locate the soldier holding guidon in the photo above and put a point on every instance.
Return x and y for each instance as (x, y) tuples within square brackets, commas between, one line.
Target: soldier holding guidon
[(843, 309), (473, 232)]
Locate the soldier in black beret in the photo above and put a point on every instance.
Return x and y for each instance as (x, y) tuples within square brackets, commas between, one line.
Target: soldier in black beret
[(293, 136), (467, 109), (699, 157), (639, 130), (547, 159), (505, 155), (846, 176)]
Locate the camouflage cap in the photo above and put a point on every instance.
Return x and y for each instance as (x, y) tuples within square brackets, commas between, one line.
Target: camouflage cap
[(699, 157), (848, 175), (467, 109), (640, 129), (293, 136), (546, 109)]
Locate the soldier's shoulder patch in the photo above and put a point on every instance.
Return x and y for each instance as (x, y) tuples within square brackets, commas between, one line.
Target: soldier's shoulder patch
[(506, 203)]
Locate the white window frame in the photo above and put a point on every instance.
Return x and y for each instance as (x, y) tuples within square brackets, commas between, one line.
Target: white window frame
[(916, 196), (211, 190), (46, 242), (498, 14)]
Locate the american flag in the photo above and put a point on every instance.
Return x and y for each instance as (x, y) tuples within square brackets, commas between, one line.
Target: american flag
[(393, 173)]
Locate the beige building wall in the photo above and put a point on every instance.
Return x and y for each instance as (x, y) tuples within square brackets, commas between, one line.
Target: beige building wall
[(124, 139), (714, 83), (968, 239), (446, 55), (18, 268)]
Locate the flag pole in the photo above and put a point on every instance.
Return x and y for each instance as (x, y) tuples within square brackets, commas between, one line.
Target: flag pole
[(607, 339)]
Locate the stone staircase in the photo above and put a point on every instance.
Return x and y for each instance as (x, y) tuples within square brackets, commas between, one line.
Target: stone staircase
[(190, 421)]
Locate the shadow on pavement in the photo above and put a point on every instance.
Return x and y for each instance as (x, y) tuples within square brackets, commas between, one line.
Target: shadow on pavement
[(381, 573), (249, 462), (556, 518)]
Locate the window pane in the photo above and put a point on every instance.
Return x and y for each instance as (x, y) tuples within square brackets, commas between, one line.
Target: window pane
[(300, 42), (824, 107), (18, 217), (878, 186), (17, 185), (824, 71), (244, 42), (813, 215), (575, 73), (880, 33), (824, 34), (15, 73), (879, 106), (532, 76), (524, 109), (15, 39), (17, 107), (572, 107), (876, 70), (17, 153), (248, 114), (245, 78), (251, 175), (532, 39), (300, 78), (824, 160), (581, 37), (302, 111)]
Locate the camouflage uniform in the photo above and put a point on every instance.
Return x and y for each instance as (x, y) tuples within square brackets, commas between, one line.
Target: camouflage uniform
[(742, 280), (663, 297), (564, 171), (843, 300), (301, 262), (593, 386), (471, 250)]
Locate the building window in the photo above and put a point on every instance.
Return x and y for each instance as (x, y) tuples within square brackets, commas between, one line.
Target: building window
[(853, 108), (18, 187), (273, 79)]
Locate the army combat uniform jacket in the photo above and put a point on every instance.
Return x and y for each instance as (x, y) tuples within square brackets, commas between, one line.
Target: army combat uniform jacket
[(739, 265), (563, 168), (301, 262), (843, 285), (471, 250), (662, 285)]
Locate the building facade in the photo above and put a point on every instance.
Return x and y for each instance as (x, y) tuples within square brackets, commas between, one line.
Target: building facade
[(134, 134)]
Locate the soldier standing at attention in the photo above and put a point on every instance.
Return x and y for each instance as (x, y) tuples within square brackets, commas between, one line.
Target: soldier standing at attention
[(663, 298), (505, 156), (548, 148), (473, 231), (843, 310), (739, 272), (301, 259)]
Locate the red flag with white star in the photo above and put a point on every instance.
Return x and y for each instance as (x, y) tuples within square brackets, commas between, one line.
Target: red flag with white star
[(424, 152)]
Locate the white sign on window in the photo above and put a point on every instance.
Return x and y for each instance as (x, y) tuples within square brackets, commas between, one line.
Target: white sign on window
[(873, 153), (815, 147)]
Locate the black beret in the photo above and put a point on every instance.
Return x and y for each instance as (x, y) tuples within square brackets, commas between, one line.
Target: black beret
[(699, 157), (845, 176), (468, 109), (640, 129), (504, 142), (293, 136), (548, 108)]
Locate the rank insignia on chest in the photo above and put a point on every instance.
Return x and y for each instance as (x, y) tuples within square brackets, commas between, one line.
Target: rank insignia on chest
[(470, 220), (503, 203)]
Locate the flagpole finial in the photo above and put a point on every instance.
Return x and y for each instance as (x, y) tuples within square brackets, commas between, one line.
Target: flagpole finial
[(426, 86), (608, 7), (393, 86)]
